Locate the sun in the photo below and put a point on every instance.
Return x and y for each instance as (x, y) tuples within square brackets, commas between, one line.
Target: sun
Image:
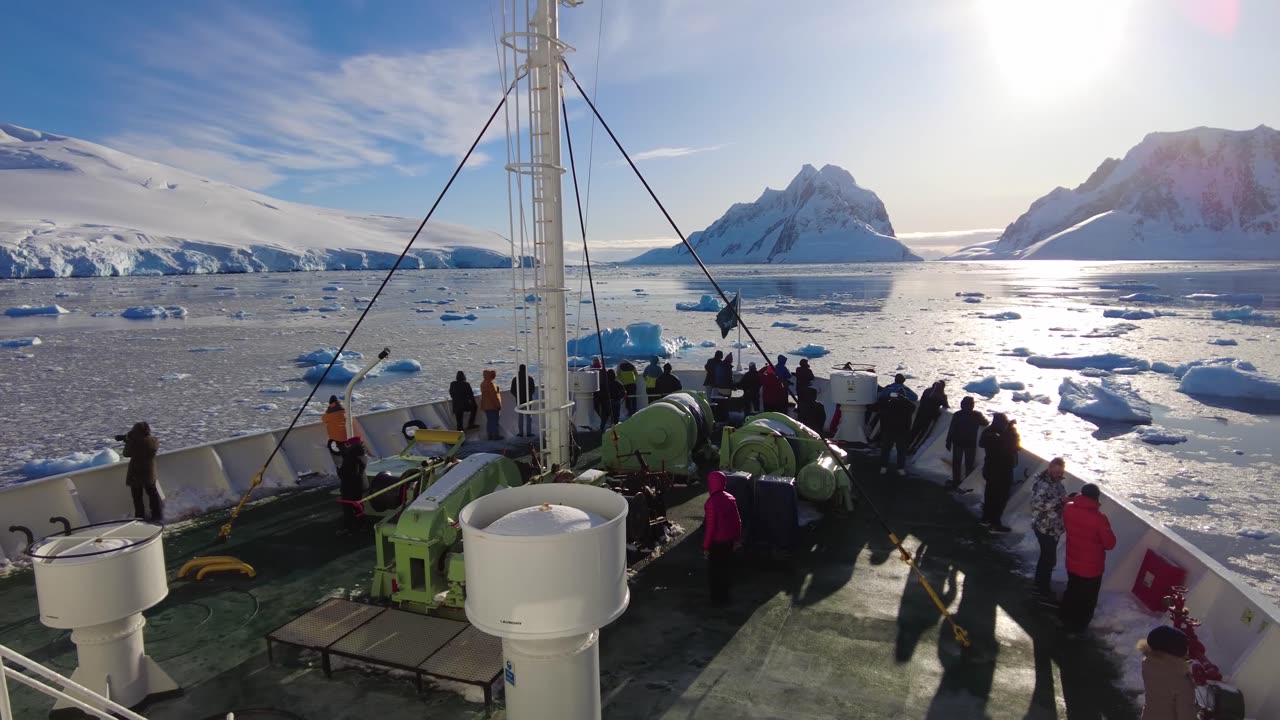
[(1048, 48)]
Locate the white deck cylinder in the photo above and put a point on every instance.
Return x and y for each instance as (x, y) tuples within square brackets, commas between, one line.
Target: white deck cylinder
[(584, 384), (123, 564), (546, 569), (853, 392)]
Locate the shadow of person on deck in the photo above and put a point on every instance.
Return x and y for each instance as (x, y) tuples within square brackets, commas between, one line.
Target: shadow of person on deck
[(917, 613)]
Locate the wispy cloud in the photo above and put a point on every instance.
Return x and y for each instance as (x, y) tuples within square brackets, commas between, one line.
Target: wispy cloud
[(934, 245), (672, 152), (246, 99)]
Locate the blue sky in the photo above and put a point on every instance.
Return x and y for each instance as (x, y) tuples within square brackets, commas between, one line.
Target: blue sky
[(958, 113)]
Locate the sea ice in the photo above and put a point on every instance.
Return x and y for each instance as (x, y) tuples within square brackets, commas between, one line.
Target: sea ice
[(240, 315), (780, 324), (1155, 435), (706, 304), (170, 377), (964, 343), (1230, 380), (153, 312), (1163, 368), (341, 372), (331, 288), (1253, 533), (1146, 297), (1130, 314), (330, 308), (1106, 361), (1013, 385), (1224, 342), (970, 295), (448, 317), (21, 342), (304, 308), (28, 310), (1233, 298), (1006, 315), (274, 390), (1029, 397), (973, 300), (406, 366), (641, 340), (381, 406), (1093, 372), (1127, 285), (1021, 352), (223, 287), (987, 386), (532, 298), (1245, 314), (43, 467), (1110, 401), (707, 344), (266, 407), (811, 351), (324, 356)]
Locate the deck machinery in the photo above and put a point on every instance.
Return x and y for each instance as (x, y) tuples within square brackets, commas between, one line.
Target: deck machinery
[(776, 444), (419, 549)]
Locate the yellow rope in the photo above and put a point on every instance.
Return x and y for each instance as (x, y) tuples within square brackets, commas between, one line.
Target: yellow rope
[(225, 532), (962, 636)]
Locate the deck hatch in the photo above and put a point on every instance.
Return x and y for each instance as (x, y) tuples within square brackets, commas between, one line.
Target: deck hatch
[(472, 657), (399, 638), (325, 625)]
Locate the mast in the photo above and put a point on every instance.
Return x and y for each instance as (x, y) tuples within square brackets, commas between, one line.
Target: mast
[(545, 171)]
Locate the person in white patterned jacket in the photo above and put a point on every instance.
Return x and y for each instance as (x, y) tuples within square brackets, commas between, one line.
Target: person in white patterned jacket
[(1048, 497)]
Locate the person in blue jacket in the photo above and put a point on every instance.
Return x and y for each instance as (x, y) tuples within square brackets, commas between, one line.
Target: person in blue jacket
[(899, 385), (783, 372)]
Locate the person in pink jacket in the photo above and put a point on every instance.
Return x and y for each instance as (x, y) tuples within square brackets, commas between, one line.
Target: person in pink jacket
[(1089, 537), (721, 532)]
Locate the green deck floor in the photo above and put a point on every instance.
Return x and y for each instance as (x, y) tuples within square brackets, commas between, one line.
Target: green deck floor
[(841, 631)]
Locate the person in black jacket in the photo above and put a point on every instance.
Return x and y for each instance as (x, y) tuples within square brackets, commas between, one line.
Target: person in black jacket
[(140, 446), (750, 386), (962, 441), (668, 382), (932, 401), (713, 369), (803, 376), (351, 479), (1002, 444), (896, 410), (464, 400), (810, 411), (609, 402), (523, 389)]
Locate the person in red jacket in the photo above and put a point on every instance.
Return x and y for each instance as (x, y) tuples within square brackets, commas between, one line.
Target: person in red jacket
[(1089, 537), (721, 532), (772, 390)]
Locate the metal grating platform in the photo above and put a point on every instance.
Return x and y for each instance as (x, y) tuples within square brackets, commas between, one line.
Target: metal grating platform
[(399, 638), (472, 657), (326, 624), (421, 644)]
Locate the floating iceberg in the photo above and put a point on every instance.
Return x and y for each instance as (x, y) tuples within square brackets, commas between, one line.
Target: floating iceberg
[(1006, 315), (973, 300), (1013, 385), (1163, 368), (780, 324), (987, 387), (154, 312), (21, 342), (811, 351), (405, 366), (970, 295), (274, 390), (304, 308), (1028, 397), (1110, 401), (266, 407), (1235, 380), (1224, 342), (29, 310), (1106, 361), (330, 308), (706, 304), (341, 372), (1233, 298), (637, 340), (75, 461), (449, 317), (1021, 352), (1146, 297), (1130, 314), (1245, 314), (1110, 332), (331, 288), (324, 356), (1154, 435), (707, 344), (1253, 533), (1182, 369)]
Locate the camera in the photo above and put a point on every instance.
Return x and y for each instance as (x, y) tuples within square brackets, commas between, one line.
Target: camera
[(121, 438)]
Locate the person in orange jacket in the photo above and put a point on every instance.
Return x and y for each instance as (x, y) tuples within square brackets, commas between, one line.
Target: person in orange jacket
[(491, 403), (335, 426)]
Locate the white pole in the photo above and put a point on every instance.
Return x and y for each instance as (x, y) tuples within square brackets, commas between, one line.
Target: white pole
[(739, 348), (544, 76)]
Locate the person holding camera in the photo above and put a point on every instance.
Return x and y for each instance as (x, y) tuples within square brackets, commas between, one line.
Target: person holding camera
[(1002, 443), (140, 446)]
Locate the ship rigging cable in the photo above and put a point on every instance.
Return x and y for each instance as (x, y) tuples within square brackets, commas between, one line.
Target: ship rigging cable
[(225, 532), (961, 635)]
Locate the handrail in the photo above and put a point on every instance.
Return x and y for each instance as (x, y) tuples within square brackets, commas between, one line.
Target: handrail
[(102, 707)]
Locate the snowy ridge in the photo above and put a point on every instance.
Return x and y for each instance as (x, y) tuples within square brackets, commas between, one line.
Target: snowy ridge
[(74, 208), (823, 216), (1199, 194)]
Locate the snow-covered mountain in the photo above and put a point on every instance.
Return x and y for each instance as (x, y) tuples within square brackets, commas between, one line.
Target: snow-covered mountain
[(74, 208), (822, 217), (1199, 194)]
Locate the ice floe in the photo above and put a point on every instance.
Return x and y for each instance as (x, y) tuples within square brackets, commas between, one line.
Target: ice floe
[(1105, 361), (1253, 533), (1156, 435), (987, 386), (43, 467), (787, 325), (450, 317), (1163, 368), (405, 366), (1244, 314), (29, 310), (1224, 342), (1128, 285), (341, 372), (1108, 401), (21, 342), (635, 340), (1030, 397), (1126, 314), (1238, 380), (1146, 297), (324, 356), (1006, 315), (706, 303), (154, 312), (811, 351), (1233, 298)]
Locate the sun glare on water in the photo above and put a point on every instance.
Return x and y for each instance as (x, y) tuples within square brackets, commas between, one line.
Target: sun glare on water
[(1047, 48)]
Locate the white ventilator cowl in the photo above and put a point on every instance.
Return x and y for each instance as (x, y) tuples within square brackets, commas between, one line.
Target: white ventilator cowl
[(543, 520)]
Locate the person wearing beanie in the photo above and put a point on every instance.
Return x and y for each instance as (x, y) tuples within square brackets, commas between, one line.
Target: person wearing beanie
[(721, 532), (1002, 443), (1089, 537), (1169, 693)]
